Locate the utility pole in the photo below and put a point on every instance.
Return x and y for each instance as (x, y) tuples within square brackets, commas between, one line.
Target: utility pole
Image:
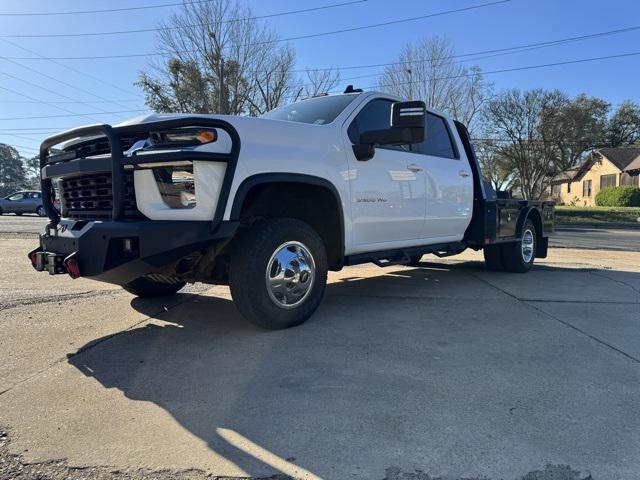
[(409, 73), (221, 102)]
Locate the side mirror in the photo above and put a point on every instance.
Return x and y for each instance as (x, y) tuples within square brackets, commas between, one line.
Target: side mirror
[(407, 127)]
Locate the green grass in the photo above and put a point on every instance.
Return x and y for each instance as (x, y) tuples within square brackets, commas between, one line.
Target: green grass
[(578, 215)]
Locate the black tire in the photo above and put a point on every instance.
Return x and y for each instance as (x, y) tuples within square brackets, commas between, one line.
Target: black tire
[(40, 211), (248, 273), (514, 257), (146, 288), (493, 257), (18, 214)]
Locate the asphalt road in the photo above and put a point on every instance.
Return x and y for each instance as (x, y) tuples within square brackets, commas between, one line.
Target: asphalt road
[(446, 369), (566, 237), (597, 238)]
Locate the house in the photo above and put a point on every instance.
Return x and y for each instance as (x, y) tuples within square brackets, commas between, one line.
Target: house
[(606, 167)]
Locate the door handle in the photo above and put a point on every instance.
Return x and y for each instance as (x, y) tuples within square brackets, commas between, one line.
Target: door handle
[(463, 173), (414, 168)]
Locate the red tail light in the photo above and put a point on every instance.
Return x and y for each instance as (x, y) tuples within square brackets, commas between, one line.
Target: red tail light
[(73, 267), (33, 256)]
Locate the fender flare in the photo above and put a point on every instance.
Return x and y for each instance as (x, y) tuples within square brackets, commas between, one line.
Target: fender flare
[(524, 215), (266, 178)]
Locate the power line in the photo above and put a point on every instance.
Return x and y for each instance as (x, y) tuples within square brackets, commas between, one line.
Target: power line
[(506, 70), (68, 102), (15, 92), (70, 115), (492, 52), (31, 129), (300, 37), (55, 80), (109, 10), (526, 47), (73, 69), (497, 51), (515, 69)]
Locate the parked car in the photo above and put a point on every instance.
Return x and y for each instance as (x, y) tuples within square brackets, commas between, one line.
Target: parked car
[(269, 205), (23, 202)]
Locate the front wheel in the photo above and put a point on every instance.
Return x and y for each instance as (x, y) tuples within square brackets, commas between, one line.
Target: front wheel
[(278, 273), (147, 288), (40, 211)]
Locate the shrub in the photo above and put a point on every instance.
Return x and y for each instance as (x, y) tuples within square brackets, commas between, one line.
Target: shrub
[(618, 197)]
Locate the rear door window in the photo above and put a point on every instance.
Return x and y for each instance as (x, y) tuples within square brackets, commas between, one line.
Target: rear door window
[(438, 141)]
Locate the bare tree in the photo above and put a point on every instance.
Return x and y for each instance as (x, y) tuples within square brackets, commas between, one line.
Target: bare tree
[(427, 71), (217, 58), (515, 120), (320, 81), (495, 167)]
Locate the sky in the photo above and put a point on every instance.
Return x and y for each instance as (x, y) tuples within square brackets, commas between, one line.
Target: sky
[(42, 88)]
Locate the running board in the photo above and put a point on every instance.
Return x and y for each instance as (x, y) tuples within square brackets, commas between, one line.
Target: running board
[(387, 258)]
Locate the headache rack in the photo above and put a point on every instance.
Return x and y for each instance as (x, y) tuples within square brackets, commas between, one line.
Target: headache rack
[(95, 178)]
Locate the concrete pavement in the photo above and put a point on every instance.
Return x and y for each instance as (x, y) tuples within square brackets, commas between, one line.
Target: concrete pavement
[(447, 369)]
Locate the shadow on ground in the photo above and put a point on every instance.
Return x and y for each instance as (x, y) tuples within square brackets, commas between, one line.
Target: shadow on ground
[(391, 366)]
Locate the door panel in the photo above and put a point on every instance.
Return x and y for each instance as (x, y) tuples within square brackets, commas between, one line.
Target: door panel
[(388, 191), (387, 197), (449, 197), (449, 181)]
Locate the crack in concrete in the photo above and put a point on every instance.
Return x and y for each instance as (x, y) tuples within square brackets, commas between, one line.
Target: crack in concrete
[(62, 297), (622, 282), (559, 320)]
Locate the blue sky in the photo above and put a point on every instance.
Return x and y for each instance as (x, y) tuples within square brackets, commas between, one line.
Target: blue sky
[(509, 24)]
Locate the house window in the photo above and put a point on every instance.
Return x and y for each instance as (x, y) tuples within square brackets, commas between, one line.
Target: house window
[(555, 190), (569, 187), (626, 179), (607, 181), (586, 188)]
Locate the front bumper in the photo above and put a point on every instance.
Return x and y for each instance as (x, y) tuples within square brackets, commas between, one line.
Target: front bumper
[(119, 252)]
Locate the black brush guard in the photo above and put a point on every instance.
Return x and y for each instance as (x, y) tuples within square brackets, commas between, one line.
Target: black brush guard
[(97, 246)]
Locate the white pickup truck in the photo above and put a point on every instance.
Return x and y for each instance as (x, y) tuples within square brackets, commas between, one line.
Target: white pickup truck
[(269, 205)]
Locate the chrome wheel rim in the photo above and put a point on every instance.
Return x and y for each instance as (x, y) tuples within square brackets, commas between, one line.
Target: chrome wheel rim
[(527, 246), (290, 274)]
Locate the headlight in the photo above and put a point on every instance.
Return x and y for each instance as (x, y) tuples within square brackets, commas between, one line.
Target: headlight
[(176, 185), (183, 137)]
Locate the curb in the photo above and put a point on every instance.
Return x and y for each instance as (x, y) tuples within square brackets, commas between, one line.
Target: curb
[(604, 226)]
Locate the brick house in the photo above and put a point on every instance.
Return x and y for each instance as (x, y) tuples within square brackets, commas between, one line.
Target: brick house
[(606, 167)]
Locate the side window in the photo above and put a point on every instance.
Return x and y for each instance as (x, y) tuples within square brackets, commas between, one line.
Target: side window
[(34, 195), (16, 196), (438, 139), (376, 115)]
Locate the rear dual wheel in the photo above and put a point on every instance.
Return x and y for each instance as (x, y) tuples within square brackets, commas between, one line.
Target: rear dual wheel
[(517, 257)]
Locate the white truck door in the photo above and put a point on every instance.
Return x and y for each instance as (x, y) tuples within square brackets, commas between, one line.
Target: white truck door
[(387, 192), (449, 181)]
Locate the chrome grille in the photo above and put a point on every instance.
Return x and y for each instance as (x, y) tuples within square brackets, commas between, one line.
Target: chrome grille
[(90, 197)]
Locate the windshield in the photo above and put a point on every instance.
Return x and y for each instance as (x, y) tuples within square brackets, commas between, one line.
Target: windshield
[(318, 111)]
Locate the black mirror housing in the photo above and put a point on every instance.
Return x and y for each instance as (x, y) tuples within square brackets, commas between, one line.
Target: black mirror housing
[(407, 126), (408, 114)]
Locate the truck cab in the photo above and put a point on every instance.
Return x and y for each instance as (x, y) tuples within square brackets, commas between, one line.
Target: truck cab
[(269, 205)]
